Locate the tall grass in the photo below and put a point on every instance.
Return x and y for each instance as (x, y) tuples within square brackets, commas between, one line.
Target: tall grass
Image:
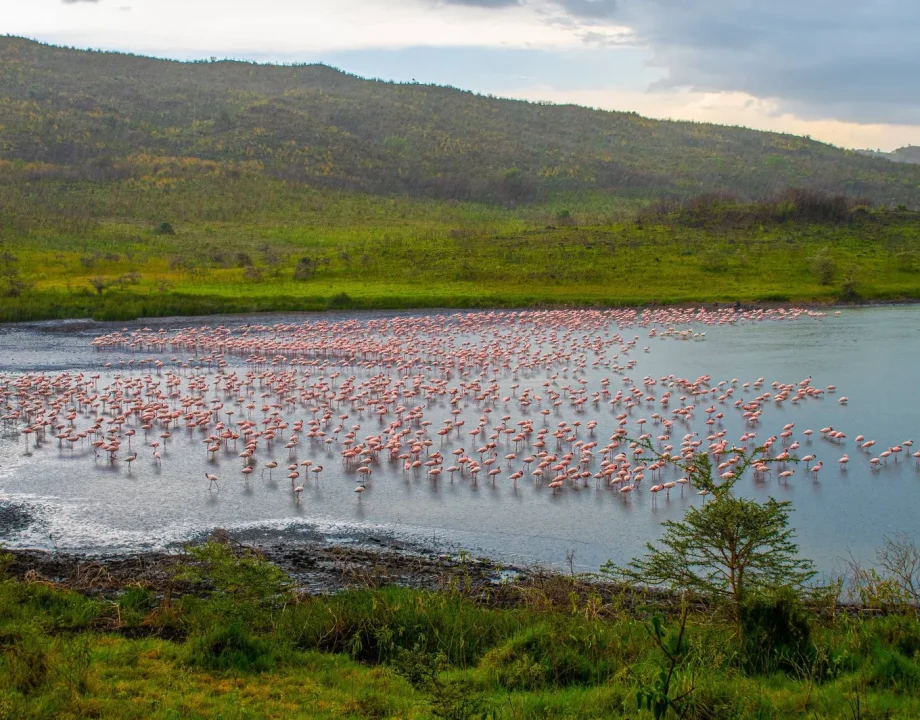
[(408, 653)]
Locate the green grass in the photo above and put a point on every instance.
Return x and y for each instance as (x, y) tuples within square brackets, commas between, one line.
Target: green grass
[(371, 252), (254, 650)]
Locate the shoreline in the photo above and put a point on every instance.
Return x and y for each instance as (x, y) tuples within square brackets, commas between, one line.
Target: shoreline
[(80, 322), (321, 567)]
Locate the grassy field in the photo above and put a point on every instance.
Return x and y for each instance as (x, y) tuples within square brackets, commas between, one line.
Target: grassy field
[(243, 646), (105, 252)]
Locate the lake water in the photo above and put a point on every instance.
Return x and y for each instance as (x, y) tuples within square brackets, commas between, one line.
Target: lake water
[(74, 500)]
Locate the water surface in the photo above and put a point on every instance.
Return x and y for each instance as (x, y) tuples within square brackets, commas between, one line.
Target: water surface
[(870, 354)]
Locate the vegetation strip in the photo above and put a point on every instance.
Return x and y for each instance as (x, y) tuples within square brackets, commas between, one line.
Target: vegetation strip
[(806, 248)]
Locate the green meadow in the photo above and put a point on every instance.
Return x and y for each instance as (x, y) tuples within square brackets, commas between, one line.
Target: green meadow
[(120, 252)]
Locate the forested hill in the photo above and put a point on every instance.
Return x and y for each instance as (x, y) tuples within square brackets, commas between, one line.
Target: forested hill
[(73, 115)]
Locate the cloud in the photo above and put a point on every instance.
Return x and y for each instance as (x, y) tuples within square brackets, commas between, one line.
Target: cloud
[(583, 9), (819, 59), (589, 9), (75, 2), (839, 59), (485, 3)]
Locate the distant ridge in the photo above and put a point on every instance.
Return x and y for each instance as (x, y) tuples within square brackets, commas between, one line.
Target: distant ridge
[(909, 154), (71, 115)]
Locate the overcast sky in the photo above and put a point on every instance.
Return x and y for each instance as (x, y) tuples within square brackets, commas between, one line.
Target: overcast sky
[(843, 71)]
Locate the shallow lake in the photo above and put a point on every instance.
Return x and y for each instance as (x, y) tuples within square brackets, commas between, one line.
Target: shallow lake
[(69, 495)]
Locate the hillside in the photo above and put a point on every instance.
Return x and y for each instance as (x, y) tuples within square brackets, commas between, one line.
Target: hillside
[(909, 154), (71, 115)]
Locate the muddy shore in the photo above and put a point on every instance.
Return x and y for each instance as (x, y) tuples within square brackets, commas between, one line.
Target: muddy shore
[(320, 567), (316, 567)]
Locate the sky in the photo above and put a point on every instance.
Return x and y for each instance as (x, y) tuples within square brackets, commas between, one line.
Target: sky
[(842, 71)]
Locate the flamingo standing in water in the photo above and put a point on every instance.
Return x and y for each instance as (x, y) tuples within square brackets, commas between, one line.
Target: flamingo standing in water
[(285, 363)]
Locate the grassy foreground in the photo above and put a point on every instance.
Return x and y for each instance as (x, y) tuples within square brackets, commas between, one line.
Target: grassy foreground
[(276, 247), (237, 643)]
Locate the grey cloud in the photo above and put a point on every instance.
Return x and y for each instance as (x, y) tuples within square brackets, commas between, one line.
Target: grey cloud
[(821, 59), (593, 37), (589, 9)]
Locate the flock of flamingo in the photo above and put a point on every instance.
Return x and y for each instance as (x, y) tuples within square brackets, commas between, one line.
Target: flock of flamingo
[(551, 398)]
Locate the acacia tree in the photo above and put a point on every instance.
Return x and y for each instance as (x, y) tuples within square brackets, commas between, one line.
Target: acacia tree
[(726, 549)]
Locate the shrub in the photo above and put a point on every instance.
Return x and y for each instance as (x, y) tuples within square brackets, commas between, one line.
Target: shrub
[(164, 228), (824, 267), (907, 261), (252, 274), (899, 632), (241, 575), (340, 301), (448, 698), (305, 268), (61, 609), (776, 630), (134, 604), (536, 657), (28, 664), (230, 646), (373, 626), (99, 284), (849, 291), (131, 278), (890, 669)]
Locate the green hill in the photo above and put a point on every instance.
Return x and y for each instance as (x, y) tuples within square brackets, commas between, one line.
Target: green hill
[(70, 114), (135, 187)]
